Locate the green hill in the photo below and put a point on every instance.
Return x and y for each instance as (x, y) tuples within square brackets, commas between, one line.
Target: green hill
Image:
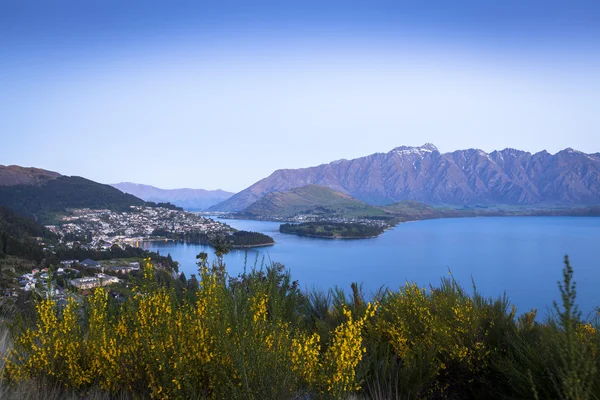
[(59, 194), (323, 202), (314, 200)]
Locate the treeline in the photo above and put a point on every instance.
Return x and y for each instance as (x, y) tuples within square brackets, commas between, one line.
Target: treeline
[(246, 238), (332, 229), (115, 252), (195, 237), (236, 239), (17, 235)]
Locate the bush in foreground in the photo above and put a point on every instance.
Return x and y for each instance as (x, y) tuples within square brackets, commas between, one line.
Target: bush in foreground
[(257, 336)]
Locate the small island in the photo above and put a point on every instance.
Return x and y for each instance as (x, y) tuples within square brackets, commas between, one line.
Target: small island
[(333, 230), (246, 239), (234, 240)]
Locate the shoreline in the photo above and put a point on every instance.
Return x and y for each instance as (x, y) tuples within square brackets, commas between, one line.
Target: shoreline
[(333, 237), (233, 247), (250, 246)]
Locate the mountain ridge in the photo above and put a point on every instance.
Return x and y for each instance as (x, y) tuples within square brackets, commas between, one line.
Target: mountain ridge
[(462, 177), (194, 199)]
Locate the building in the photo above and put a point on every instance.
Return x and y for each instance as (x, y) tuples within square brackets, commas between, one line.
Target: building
[(90, 263), (85, 283), (107, 279), (121, 269), (92, 282)]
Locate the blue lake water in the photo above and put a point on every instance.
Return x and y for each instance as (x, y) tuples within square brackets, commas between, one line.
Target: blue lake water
[(522, 256)]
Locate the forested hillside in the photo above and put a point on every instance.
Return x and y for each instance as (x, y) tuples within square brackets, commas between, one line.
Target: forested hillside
[(17, 236)]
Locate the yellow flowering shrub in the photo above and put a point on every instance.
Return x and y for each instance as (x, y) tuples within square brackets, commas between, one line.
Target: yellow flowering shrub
[(344, 353), (304, 355), (587, 334), (441, 322), (53, 348), (406, 320), (252, 339)]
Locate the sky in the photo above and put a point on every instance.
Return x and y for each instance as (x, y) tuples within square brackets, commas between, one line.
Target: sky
[(220, 94)]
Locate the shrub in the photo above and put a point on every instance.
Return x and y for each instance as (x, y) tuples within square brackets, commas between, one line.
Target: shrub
[(258, 336)]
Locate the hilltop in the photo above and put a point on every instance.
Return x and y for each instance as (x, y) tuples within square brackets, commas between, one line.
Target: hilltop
[(43, 194), (15, 175), (311, 199), (319, 203)]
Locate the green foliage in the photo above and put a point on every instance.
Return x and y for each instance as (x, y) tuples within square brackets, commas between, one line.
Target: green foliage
[(115, 252), (64, 192), (555, 360), (258, 336), (332, 229), (17, 235), (236, 239), (245, 238), (57, 195)]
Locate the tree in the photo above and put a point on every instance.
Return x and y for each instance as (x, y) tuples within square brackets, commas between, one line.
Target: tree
[(222, 244), (183, 279), (192, 283), (202, 256)]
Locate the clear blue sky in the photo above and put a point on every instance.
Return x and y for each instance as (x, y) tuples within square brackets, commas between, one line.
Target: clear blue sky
[(220, 94)]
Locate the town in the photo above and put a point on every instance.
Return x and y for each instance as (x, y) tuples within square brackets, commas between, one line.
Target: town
[(100, 232), (101, 229), (308, 217)]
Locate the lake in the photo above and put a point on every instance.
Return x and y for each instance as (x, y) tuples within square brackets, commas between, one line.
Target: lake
[(520, 255)]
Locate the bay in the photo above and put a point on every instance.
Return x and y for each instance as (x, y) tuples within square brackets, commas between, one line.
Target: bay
[(522, 256)]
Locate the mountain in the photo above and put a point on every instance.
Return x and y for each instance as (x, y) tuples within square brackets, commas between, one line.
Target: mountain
[(190, 199), (41, 193), (462, 177), (311, 199)]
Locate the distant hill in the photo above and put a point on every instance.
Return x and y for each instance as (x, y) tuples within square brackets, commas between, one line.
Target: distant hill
[(463, 177), (323, 202), (311, 199), (46, 193), (320, 202), (190, 199)]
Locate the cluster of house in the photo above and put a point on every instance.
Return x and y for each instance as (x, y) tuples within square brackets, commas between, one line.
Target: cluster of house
[(105, 228), (29, 280), (121, 269)]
